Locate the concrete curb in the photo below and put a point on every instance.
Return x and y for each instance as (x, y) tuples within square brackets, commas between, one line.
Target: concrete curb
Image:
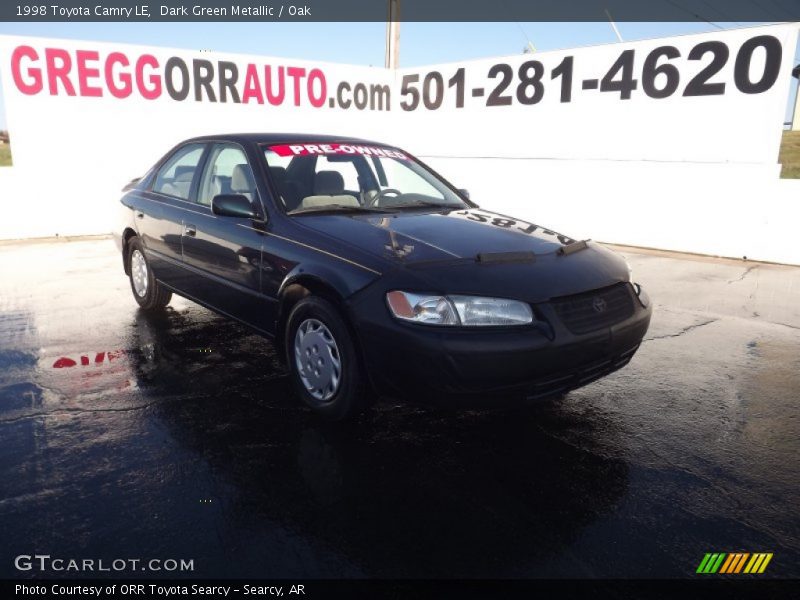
[(56, 239)]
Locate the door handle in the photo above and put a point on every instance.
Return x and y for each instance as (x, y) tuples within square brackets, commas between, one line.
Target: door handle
[(189, 230), (139, 215)]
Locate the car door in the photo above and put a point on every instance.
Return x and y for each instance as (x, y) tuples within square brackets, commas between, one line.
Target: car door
[(160, 209), (226, 252)]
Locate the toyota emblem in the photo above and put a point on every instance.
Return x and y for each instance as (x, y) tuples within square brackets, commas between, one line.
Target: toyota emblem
[(598, 304)]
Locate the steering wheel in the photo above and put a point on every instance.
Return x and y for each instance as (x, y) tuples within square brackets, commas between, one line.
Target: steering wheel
[(374, 200)]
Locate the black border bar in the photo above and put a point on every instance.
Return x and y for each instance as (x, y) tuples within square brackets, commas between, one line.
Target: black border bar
[(411, 589), (700, 11)]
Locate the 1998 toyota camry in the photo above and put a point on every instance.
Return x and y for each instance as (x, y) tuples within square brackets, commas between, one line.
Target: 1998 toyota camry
[(373, 274)]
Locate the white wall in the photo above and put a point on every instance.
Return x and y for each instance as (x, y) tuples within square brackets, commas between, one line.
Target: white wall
[(696, 174), (720, 210)]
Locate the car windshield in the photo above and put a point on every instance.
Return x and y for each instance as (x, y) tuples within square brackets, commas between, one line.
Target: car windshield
[(312, 178)]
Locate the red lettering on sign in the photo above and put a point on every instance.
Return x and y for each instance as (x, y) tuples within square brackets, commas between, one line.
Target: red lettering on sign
[(154, 90), (126, 83), (33, 85), (59, 65), (85, 73), (252, 89), (317, 75), (274, 99), (297, 73)]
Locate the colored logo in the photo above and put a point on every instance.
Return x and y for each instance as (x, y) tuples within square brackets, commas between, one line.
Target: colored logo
[(734, 563)]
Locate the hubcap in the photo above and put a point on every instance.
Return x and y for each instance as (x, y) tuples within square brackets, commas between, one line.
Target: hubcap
[(139, 273), (318, 361)]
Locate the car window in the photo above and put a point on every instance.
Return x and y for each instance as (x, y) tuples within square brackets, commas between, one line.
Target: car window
[(228, 172), (345, 168), (353, 177), (400, 177), (275, 160), (175, 177)]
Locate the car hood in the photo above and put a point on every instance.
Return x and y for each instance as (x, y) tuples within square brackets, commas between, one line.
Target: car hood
[(440, 252), (413, 237)]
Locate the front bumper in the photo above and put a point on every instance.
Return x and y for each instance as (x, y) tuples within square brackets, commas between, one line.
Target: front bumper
[(526, 363)]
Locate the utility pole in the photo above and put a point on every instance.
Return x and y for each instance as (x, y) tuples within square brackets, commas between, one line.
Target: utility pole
[(795, 126), (393, 35)]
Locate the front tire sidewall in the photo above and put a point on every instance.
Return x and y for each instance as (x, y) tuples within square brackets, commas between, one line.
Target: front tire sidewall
[(347, 401), (155, 297)]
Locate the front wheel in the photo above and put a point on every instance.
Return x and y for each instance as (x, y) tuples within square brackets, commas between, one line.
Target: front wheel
[(323, 362), (147, 292)]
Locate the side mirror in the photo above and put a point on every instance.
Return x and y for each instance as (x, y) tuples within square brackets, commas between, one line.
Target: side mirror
[(232, 205), (464, 193)]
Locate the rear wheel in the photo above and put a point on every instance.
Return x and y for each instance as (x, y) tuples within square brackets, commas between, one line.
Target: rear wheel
[(147, 292), (323, 362)]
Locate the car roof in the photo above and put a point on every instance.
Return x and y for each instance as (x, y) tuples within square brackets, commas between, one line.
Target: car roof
[(277, 138)]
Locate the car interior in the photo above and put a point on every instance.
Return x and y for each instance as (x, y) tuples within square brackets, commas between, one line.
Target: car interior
[(301, 187), (310, 181), (180, 184), (240, 181), (305, 183), (227, 175)]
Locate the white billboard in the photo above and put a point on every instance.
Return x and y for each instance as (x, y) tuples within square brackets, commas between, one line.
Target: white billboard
[(86, 117), (717, 97)]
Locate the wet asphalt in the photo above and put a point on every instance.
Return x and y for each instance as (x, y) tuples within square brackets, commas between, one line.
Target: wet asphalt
[(176, 436)]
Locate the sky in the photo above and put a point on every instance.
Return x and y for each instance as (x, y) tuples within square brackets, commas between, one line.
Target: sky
[(362, 43)]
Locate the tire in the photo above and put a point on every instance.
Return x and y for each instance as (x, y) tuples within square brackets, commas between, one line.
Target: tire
[(147, 292), (316, 331)]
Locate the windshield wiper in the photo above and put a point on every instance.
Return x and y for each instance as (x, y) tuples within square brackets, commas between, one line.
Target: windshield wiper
[(427, 203), (336, 208)]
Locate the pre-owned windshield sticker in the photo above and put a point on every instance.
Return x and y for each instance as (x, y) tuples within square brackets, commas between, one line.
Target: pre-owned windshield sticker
[(336, 149)]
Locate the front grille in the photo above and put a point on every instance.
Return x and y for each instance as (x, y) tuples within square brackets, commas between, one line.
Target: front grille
[(561, 383), (590, 311)]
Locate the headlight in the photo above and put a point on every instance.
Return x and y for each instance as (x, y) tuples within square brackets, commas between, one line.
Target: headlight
[(469, 311)]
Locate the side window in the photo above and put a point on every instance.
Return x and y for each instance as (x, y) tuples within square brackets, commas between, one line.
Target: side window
[(228, 172), (175, 177)]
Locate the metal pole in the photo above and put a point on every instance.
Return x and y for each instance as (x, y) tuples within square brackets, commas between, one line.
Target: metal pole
[(393, 35)]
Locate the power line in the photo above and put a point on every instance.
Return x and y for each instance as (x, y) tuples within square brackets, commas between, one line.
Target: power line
[(719, 12), (613, 25), (781, 7), (527, 39), (695, 15), (767, 11)]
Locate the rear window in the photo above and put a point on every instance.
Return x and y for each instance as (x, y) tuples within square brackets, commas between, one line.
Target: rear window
[(175, 177)]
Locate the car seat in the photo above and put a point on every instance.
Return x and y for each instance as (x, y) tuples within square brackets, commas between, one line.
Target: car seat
[(328, 189)]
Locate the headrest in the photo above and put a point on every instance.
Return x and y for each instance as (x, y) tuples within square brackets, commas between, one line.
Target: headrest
[(241, 179), (278, 174), (328, 183), (184, 169)]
